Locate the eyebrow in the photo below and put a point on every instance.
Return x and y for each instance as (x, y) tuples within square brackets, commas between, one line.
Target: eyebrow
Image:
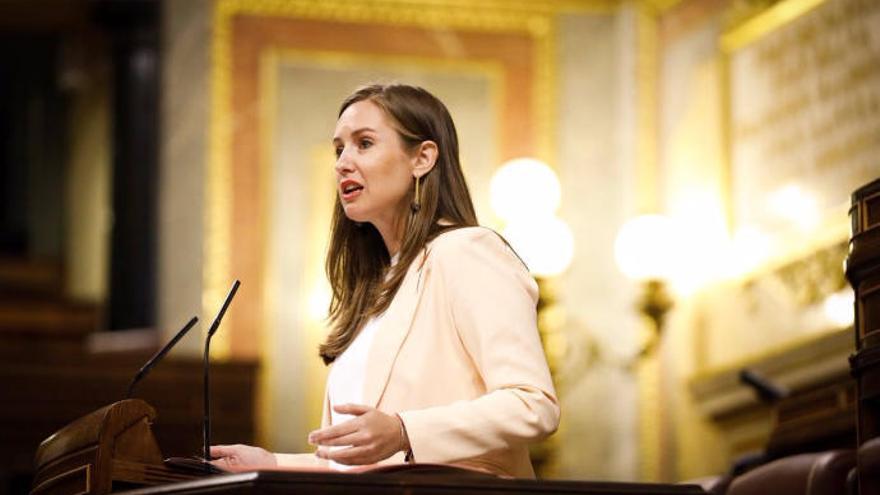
[(356, 132)]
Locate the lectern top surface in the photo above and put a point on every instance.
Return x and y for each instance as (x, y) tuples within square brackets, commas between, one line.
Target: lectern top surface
[(272, 482)]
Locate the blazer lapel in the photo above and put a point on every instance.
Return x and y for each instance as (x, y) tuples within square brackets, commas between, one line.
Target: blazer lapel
[(393, 329)]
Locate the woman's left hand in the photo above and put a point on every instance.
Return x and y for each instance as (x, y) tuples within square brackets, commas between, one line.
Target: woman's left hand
[(371, 434)]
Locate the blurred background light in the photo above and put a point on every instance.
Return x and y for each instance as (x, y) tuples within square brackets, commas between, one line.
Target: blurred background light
[(524, 187), (793, 204), (749, 248), (546, 244), (645, 248), (525, 193), (699, 235), (839, 308), (319, 300)]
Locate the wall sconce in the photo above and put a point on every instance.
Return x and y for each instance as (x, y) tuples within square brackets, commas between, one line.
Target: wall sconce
[(525, 193), (645, 250)]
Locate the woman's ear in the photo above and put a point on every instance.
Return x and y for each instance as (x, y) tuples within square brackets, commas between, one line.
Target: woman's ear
[(424, 158)]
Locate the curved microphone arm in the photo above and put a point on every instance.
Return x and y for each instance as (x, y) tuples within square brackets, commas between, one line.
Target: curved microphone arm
[(206, 424), (158, 356)]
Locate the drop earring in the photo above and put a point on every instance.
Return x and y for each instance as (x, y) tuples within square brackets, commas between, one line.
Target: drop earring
[(417, 199)]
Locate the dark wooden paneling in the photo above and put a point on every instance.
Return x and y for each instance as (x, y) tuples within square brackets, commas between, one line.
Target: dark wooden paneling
[(46, 385)]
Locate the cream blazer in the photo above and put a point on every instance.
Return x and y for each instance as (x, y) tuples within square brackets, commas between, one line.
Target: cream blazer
[(458, 356)]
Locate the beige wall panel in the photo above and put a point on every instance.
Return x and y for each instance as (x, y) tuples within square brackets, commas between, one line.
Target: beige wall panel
[(87, 248), (598, 436), (184, 147), (694, 187)]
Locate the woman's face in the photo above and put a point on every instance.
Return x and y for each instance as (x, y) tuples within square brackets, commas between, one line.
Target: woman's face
[(373, 170)]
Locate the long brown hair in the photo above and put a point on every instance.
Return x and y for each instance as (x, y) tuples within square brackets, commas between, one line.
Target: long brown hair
[(357, 260)]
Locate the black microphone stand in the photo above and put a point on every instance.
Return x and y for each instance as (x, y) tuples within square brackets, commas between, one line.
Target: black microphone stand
[(206, 392), (159, 355)]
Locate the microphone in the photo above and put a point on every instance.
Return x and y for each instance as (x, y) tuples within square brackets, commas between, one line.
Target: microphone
[(767, 391), (206, 430), (158, 356)]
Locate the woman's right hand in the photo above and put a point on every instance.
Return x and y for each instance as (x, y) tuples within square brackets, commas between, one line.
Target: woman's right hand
[(235, 457)]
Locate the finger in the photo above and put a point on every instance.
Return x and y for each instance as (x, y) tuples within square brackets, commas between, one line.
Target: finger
[(354, 439), (222, 463), (353, 409), (318, 436), (222, 450), (352, 456)]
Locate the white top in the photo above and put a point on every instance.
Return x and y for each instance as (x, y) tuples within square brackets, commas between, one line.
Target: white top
[(346, 379), (345, 383)]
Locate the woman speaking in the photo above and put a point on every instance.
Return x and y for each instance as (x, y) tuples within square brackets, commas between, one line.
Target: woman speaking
[(434, 350)]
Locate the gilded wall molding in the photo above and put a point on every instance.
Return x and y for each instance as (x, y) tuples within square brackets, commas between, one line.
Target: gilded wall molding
[(756, 19), (655, 437), (218, 194)]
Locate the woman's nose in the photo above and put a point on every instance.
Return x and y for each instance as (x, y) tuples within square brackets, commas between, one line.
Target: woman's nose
[(343, 164)]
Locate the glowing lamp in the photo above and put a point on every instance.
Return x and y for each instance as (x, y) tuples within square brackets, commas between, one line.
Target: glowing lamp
[(645, 248), (545, 244), (839, 309), (522, 188), (645, 251)]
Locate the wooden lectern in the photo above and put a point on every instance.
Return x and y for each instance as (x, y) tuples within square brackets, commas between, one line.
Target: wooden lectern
[(107, 450), (113, 449), (404, 482)]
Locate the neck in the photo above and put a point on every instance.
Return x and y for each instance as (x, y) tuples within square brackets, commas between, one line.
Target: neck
[(391, 231)]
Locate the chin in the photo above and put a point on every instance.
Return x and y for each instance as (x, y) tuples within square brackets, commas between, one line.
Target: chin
[(353, 214)]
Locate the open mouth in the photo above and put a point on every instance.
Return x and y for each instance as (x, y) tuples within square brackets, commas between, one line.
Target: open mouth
[(350, 189)]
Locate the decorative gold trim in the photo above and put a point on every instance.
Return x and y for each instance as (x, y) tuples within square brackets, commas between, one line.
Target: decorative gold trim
[(341, 59), (545, 87), (766, 22), (218, 194), (655, 463), (647, 53), (650, 431), (478, 15), (268, 84), (661, 6)]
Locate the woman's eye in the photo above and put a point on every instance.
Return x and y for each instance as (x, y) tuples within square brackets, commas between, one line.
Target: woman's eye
[(365, 143), (338, 152)]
